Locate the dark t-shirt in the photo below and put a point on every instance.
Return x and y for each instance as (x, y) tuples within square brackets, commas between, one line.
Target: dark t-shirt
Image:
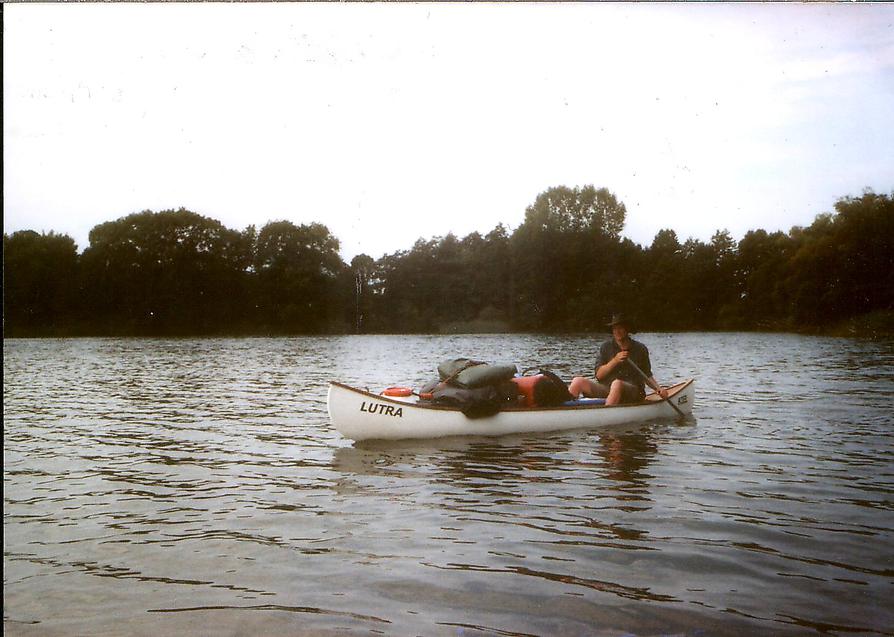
[(639, 354)]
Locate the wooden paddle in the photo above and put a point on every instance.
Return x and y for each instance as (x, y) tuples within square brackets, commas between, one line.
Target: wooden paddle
[(646, 378)]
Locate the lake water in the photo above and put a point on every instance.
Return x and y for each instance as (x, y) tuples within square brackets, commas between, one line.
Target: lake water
[(170, 487)]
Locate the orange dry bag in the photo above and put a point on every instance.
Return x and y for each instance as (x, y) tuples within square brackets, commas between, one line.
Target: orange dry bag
[(525, 385)]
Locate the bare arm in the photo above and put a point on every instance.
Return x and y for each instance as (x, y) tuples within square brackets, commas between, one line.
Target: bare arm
[(604, 370), (654, 385)]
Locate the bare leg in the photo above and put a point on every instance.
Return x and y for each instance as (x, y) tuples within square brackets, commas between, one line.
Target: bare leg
[(614, 394), (586, 387)]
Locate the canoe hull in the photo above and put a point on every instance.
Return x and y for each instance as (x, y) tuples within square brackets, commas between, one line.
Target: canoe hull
[(361, 415)]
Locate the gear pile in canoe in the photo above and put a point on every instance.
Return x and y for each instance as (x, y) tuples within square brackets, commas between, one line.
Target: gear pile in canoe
[(474, 398)]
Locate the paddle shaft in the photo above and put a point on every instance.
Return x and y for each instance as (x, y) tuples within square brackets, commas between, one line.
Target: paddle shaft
[(646, 378)]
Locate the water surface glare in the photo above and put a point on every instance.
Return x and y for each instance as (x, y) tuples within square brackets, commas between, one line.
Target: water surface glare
[(197, 487)]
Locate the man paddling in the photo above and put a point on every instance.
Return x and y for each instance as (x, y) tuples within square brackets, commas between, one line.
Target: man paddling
[(617, 380)]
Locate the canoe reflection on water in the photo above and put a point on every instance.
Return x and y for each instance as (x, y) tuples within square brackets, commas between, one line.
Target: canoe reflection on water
[(538, 507), (616, 457), (626, 456)]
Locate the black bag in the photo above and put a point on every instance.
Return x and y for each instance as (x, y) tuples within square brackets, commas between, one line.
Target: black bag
[(550, 391), (474, 403)]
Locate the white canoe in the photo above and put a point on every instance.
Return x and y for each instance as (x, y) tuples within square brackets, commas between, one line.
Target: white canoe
[(362, 415)]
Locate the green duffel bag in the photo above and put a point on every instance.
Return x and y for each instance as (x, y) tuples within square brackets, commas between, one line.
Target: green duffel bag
[(466, 372)]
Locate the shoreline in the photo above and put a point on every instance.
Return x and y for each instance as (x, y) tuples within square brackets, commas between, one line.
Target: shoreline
[(852, 329)]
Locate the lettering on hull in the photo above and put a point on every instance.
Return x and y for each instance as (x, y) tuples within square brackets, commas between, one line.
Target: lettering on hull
[(682, 400), (384, 410)]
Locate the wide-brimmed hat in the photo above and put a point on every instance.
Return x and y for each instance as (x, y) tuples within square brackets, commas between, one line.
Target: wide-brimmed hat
[(620, 319)]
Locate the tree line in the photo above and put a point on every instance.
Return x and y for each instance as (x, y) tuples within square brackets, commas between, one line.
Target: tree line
[(566, 268)]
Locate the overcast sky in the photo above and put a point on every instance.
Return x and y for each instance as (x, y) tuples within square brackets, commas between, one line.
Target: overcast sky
[(391, 122)]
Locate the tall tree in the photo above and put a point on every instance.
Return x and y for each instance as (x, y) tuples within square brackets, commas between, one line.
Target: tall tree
[(661, 289), (171, 272), (864, 234), (40, 280), (834, 270), (569, 237), (722, 281), (565, 209), (763, 260), (297, 269), (363, 272)]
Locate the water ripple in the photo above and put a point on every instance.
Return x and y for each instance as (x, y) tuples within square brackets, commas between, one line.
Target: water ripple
[(151, 482)]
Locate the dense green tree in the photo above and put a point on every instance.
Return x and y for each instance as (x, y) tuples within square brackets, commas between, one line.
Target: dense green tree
[(661, 285), (569, 240), (445, 283), (421, 286), (568, 210), (395, 299), (841, 264), (171, 272), (696, 285), (722, 281), (297, 270), (40, 283), (864, 229), (763, 261), (565, 267), (490, 268)]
